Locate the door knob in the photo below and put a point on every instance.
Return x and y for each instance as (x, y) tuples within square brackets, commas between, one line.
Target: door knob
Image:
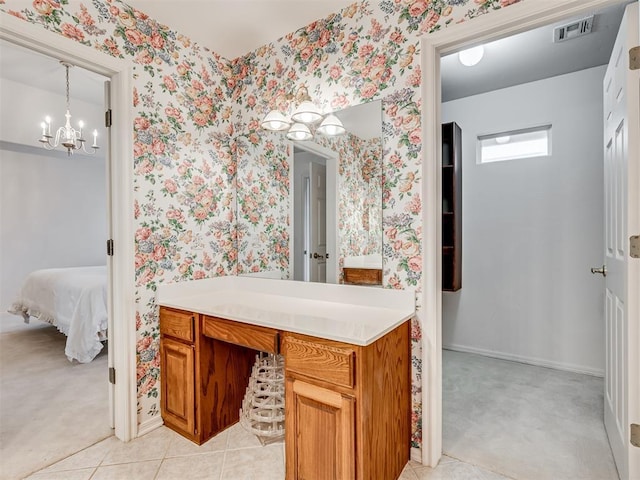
[(602, 270)]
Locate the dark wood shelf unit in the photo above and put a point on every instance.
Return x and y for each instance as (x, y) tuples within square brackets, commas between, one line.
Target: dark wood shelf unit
[(451, 207)]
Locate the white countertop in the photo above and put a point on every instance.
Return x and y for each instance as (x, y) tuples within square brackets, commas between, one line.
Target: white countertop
[(350, 314), (363, 261)]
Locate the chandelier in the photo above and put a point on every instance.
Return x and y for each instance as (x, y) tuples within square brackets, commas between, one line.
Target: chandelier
[(304, 117), (67, 136)]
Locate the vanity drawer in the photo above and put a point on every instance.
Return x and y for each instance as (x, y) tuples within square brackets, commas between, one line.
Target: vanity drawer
[(362, 276), (251, 336), (178, 324), (319, 359)]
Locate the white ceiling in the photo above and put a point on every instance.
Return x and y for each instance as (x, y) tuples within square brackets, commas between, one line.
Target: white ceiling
[(232, 28), (41, 71), (532, 56)]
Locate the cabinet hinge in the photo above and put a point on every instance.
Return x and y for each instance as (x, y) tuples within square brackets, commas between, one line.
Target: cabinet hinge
[(634, 58), (110, 247), (112, 375), (635, 435), (108, 118), (634, 246)]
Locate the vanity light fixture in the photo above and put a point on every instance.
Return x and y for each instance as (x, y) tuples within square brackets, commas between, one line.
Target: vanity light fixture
[(67, 136), (471, 56), (299, 132), (304, 117), (331, 126), (275, 121)]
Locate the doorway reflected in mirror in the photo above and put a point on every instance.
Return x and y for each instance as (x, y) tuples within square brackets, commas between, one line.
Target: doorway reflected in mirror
[(274, 213)]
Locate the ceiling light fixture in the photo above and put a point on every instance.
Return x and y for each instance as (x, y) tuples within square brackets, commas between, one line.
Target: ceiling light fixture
[(471, 56), (304, 117), (67, 136)]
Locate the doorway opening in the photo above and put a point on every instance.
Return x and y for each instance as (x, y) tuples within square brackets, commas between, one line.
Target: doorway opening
[(523, 337), (310, 216), (121, 299), (313, 213), (519, 20), (55, 368)]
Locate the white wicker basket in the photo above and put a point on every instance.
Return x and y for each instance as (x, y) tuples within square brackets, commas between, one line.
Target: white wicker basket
[(262, 411)]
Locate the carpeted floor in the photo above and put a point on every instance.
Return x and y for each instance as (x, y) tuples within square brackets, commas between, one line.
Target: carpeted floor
[(49, 408), (526, 422)]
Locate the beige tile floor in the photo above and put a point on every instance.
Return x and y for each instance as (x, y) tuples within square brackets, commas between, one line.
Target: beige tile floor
[(232, 455)]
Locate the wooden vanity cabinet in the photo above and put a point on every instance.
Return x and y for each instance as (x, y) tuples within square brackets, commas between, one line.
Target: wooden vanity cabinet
[(203, 379), (177, 370), (347, 407), (320, 423), (178, 392)]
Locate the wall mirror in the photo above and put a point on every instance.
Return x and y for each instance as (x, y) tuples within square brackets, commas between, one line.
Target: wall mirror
[(307, 210)]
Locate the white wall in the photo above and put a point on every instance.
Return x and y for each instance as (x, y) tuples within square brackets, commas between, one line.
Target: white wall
[(532, 228), (52, 207)]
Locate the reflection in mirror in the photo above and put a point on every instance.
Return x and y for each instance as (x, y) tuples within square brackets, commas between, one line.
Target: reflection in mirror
[(282, 219)]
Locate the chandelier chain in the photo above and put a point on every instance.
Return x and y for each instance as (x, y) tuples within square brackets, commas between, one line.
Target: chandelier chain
[(67, 67)]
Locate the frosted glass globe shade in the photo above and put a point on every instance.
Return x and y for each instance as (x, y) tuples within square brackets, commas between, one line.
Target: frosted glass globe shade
[(331, 126), (471, 56), (306, 113), (299, 132), (275, 121)]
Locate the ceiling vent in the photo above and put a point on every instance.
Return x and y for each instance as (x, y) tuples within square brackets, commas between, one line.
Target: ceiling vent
[(573, 30)]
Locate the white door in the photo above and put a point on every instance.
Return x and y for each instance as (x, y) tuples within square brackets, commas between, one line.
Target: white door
[(622, 284), (318, 223)]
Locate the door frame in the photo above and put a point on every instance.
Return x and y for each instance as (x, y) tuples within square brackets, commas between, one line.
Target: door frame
[(499, 24), (333, 206), (122, 338)]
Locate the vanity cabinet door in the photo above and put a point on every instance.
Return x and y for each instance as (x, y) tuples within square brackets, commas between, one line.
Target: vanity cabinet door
[(177, 369), (320, 433)]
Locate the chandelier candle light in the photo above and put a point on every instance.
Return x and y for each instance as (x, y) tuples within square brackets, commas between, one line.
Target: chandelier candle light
[(67, 136), (303, 118)]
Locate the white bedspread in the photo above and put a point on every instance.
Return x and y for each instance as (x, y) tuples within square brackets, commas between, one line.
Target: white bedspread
[(72, 299)]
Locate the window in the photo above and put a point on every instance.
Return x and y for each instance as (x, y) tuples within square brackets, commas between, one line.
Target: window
[(516, 144)]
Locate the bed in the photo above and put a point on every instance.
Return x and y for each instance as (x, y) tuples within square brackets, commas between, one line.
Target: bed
[(74, 300)]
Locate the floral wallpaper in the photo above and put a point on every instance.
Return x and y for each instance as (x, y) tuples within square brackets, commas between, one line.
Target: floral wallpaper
[(264, 202), (190, 104)]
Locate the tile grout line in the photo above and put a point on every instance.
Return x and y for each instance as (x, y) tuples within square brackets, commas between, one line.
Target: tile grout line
[(164, 457), (158, 469), (224, 457), (41, 470), (488, 469)]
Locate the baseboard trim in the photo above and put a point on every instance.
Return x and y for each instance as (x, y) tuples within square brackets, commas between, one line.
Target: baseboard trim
[(538, 362), (150, 425), (416, 455)]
